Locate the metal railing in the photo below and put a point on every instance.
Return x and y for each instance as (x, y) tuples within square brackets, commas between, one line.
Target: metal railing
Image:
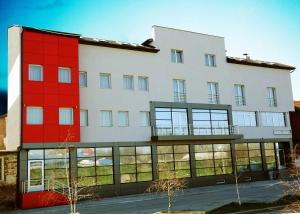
[(240, 100), (180, 97), (214, 98), (272, 102), (195, 130), (48, 185)]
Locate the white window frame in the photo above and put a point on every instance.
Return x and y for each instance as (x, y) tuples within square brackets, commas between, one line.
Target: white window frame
[(272, 100), (42, 116), (213, 98), (143, 78), (174, 56), (2, 169), (70, 71), (179, 95), (245, 115), (210, 60), (127, 114), (72, 116), (87, 116), (42, 76), (85, 78), (142, 124), (109, 80), (111, 118), (240, 100), (132, 78)]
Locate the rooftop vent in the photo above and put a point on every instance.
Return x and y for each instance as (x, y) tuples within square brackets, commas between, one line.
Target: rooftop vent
[(247, 56)]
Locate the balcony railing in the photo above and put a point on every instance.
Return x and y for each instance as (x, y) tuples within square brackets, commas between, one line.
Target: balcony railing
[(213, 98), (179, 97), (240, 100), (272, 102), (195, 130)]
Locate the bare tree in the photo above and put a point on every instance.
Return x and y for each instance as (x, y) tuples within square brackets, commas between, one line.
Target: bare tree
[(169, 185)]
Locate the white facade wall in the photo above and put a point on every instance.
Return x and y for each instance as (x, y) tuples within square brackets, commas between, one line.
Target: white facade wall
[(161, 71)]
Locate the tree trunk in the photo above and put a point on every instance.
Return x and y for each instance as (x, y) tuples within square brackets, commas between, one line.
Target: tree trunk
[(237, 186)]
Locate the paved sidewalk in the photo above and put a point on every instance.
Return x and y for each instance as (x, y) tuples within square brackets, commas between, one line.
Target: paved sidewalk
[(201, 198)]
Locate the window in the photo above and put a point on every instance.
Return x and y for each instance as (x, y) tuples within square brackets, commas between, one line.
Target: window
[(210, 122), (248, 157), (83, 79), (123, 118), (128, 82), (274, 119), (175, 160), (239, 92), (95, 166), (64, 75), (176, 56), (105, 81), (171, 121), (65, 116), (270, 156), (106, 118), (35, 73), (83, 117), (179, 90), (135, 164), (34, 115), (213, 159), (210, 60), (144, 118), (1, 168), (271, 97), (244, 118), (143, 84), (213, 93)]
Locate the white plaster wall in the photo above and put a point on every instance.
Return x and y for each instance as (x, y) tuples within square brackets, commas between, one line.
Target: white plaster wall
[(160, 70)]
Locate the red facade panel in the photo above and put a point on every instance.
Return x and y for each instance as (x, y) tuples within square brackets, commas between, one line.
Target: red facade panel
[(51, 52)]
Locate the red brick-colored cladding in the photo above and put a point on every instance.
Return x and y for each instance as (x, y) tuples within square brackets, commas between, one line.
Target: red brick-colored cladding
[(51, 51)]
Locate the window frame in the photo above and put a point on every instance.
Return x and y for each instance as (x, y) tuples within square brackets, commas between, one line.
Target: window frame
[(42, 115), (174, 56), (131, 77), (272, 100), (87, 118), (70, 72), (140, 78), (72, 116), (110, 116), (42, 72), (235, 118), (85, 79), (127, 115), (213, 98), (147, 124), (240, 100), (210, 60), (179, 96), (109, 80)]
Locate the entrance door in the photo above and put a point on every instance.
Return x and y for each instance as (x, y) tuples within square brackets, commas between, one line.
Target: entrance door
[(35, 175), (281, 159)]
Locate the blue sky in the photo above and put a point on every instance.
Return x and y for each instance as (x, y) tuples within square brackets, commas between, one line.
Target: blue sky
[(266, 29)]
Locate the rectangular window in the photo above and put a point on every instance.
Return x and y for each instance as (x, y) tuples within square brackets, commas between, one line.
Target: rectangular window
[(135, 164), (64, 75), (143, 84), (128, 82), (213, 159), (248, 157), (173, 161), (95, 166), (210, 60), (144, 118), (106, 118), (179, 90), (176, 56), (123, 117), (35, 72), (244, 118), (83, 117), (1, 168), (270, 156), (210, 122), (171, 121), (273, 119), (213, 93), (65, 116), (271, 97), (34, 115), (105, 81), (239, 93), (83, 79)]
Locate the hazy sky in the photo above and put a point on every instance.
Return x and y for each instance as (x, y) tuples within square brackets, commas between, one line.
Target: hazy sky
[(266, 29)]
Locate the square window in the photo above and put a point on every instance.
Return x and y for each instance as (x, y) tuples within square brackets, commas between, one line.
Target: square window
[(106, 118), (65, 116), (35, 73), (210, 60), (34, 115), (83, 79), (143, 83), (83, 117), (144, 118), (105, 81), (176, 56), (128, 82), (64, 75), (123, 118)]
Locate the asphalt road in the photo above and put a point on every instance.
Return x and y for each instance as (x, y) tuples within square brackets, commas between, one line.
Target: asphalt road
[(201, 198)]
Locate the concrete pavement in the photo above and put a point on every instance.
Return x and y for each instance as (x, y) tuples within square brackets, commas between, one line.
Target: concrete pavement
[(201, 198)]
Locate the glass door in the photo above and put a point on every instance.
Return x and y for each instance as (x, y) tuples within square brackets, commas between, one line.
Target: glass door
[(35, 175)]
